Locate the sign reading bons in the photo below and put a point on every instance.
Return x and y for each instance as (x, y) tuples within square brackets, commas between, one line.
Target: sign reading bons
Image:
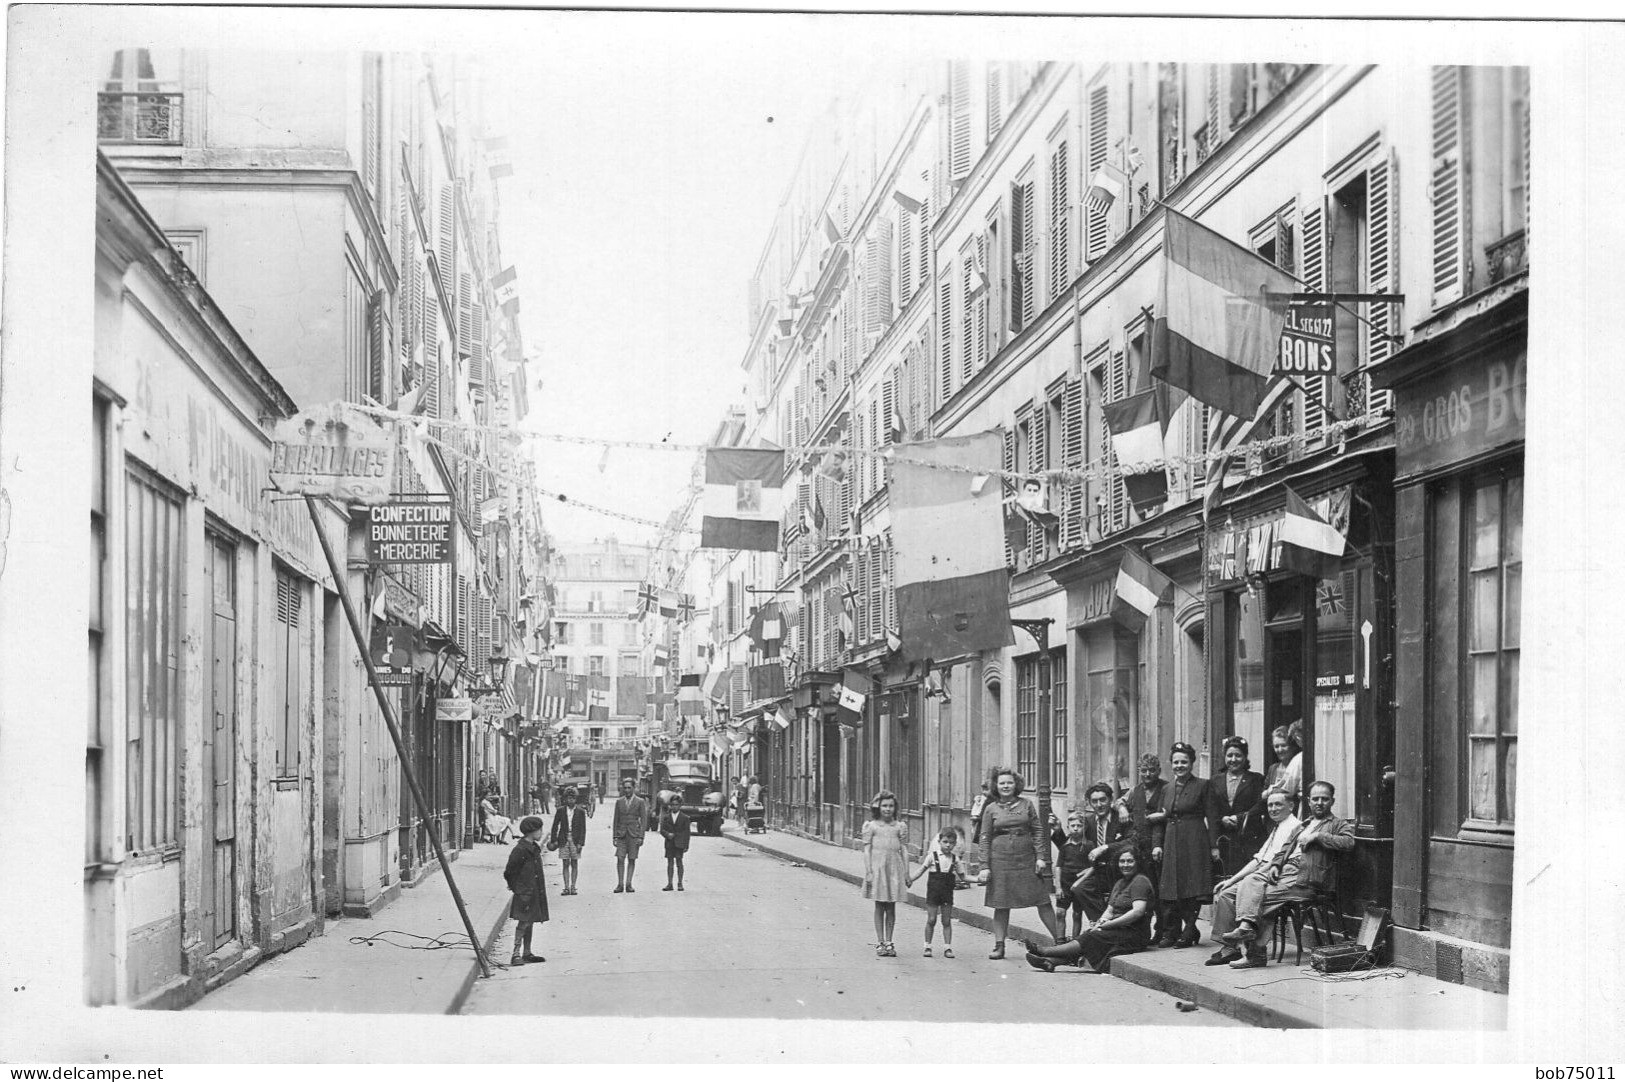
[(409, 533)]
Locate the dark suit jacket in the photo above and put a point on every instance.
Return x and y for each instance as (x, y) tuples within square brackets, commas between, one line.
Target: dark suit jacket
[(1315, 864), (675, 829), (629, 821), (575, 828), (1119, 836), (1147, 836), (1244, 840)]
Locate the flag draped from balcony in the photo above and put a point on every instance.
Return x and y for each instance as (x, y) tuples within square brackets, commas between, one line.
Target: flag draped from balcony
[(597, 698), (690, 699), (1309, 544), (851, 697), (554, 695), (575, 695), (766, 681), (948, 538), (506, 287), (1215, 335), (767, 629), (1137, 428), (743, 499), (1139, 589)]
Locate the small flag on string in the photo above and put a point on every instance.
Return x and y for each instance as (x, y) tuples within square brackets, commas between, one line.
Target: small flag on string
[(668, 602), (831, 230), (894, 641), (491, 510), (647, 597), (767, 629), (597, 704), (911, 192), (1138, 590), (818, 514), (896, 430), (603, 459), (1309, 544), (378, 601), (781, 717), (685, 608), (662, 657), (496, 154), (690, 700)]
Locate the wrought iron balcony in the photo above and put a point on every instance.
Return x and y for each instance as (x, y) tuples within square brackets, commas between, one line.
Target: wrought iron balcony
[(1506, 256), (138, 118)]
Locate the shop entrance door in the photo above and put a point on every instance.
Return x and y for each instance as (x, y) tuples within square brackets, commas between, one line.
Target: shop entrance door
[(219, 895)]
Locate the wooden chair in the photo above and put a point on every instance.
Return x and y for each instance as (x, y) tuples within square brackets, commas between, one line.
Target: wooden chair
[(1321, 913)]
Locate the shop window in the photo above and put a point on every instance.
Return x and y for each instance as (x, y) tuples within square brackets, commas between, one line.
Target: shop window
[(153, 576), (1492, 608), (1112, 695), (1334, 690)]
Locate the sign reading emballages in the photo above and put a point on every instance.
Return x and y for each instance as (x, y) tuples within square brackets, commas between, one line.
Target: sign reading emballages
[(409, 533)]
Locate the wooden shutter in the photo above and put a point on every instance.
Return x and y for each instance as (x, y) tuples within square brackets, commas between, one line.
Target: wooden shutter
[(477, 358), (465, 311), (1451, 255), (1006, 483), (995, 99), (967, 318), (431, 378), (1097, 235), (1215, 134), (959, 152), (379, 349), (1060, 221), (1037, 461), (860, 590), (1115, 385), (979, 322), (874, 444), (905, 256), (922, 273), (877, 260), (888, 590), (446, 238), (1382, 270), (1023, 239), (1312, 216), (888, 407), (290, 673), (1074, 529)]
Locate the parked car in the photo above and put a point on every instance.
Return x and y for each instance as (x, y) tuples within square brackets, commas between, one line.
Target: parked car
[(691, 785)]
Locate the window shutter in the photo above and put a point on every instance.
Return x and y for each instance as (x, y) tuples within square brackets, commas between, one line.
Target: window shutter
[(1312, 215), (1006, 483), (923, 272), (477, 367), (1522, 76), (1037, 462), (995, 99), (1073, 526), (1022, 242), (447, 253), (431, 376), (959, 162), (877, 314), (1214, 134), (1116, 388), (1449, 185), (874, 444), (945, 334), (979, 327), (1060, 222), (860, 591), (1382, 247), (905, 256), (379, 349), (465, 312), (967, 320), (1097, 234), (369, 124), (888, 596), (888, 407)]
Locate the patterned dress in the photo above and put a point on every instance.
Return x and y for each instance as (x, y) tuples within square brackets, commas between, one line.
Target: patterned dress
[(886, 860)]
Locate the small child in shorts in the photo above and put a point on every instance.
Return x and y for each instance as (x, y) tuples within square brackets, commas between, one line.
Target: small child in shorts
[(942, 871), (1072, 860)]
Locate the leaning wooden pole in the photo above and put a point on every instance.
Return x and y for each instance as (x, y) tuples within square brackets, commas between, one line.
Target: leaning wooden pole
[(394, 730)]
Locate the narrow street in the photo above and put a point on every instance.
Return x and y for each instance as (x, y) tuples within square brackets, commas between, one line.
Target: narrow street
[(756, 936)]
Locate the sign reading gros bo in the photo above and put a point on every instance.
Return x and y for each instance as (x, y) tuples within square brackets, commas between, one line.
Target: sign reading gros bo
[(409, 533)]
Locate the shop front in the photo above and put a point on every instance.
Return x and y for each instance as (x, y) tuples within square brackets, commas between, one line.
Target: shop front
[(1301, 667), (1459, 422)]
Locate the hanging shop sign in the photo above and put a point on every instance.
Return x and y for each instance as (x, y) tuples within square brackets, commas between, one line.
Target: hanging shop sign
[(492, 706), (336, 451), (1251, 546), (392, 647), (1460, 412), (1308, 341), (454, 710), (410, 532), (1091, 601), (401, 602)]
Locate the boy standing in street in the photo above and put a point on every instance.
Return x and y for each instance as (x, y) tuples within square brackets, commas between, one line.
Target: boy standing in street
[(524, 877), (675, 828)]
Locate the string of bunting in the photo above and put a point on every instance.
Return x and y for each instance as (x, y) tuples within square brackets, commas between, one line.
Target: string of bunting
[(1098, 471)]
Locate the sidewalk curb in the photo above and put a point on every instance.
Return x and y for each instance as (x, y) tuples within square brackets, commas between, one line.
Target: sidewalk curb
[(467, 984), (1124, 968)]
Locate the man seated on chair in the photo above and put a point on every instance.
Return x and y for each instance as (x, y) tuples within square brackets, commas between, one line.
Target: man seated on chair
[(1302, 867)]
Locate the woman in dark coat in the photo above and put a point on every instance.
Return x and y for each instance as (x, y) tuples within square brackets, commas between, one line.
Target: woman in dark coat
[(1143, 808), (524, 877), (1124, 928), (1239, 794), (1015, 858), (1190, 845)]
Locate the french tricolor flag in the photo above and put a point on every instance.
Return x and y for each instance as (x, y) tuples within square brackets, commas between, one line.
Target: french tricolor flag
[(743, 499), (1140, 589), (1309, 544), (1136, 426)]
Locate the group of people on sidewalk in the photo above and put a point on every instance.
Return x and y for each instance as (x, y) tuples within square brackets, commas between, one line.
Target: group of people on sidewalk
[(567, 837), (1133, 869)]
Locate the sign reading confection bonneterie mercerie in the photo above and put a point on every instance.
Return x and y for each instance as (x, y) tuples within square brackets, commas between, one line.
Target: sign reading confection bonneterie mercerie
[(416, 532)]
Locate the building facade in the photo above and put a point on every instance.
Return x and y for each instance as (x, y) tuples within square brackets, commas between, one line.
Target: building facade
[(964, 283), (340, 214)]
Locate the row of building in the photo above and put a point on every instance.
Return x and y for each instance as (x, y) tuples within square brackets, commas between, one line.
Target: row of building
[(276, 232), (938, 267)]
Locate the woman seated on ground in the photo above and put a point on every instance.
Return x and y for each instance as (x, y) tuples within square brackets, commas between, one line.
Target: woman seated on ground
[(1125, 927), (495, 825)]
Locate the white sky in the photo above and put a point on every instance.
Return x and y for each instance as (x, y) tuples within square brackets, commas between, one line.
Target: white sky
[(646, 180)]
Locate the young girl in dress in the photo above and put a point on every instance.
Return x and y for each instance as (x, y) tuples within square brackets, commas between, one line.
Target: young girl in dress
[(942, 872), (885, 867)]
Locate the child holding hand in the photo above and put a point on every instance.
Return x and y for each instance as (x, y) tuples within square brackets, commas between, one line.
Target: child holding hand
[(943, 872)]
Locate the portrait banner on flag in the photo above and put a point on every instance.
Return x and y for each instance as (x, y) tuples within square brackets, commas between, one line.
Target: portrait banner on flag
[(742, 499)]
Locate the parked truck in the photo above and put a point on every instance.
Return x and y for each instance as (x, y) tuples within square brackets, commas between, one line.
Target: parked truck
[(689, 784)]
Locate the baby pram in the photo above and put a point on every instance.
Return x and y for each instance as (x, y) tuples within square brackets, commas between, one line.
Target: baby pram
[(755, 817)]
